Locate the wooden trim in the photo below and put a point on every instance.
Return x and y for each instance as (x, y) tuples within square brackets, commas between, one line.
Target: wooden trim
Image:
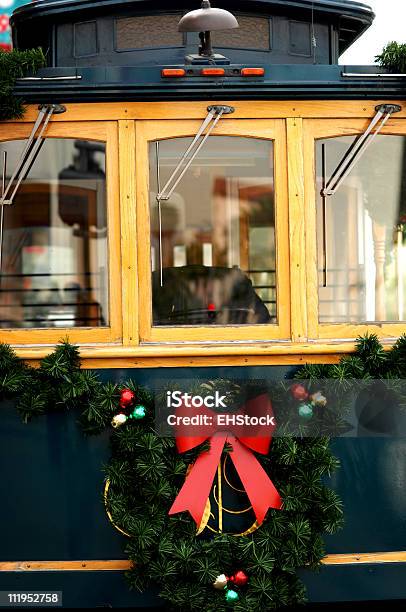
[(158, 130), (105, 132), (143, 229), (312, 289), (81, 129), (206, 362), (201, 350), (294, 129), (362, 558), (244, 110), (65, 566), (344, 330), (113, 249), (314, 130), (129, 237), (124, 565)]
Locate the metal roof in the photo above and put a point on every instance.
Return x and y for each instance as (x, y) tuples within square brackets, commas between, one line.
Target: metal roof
[(353, 17)]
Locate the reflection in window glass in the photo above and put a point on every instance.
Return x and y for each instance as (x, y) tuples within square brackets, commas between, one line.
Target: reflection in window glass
[(361, 243), (55, 239), (217, 242)]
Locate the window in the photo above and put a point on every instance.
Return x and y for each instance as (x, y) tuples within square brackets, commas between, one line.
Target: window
[(213, 261), (254, 33), (58, 275), (148, 31), (55, 267), (358, 240), (216, 239), (362, 272)]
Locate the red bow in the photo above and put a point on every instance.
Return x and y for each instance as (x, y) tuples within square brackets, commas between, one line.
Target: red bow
[(256, 482)]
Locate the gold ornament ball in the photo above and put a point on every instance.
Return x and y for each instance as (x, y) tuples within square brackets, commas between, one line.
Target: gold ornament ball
[(318, 399), (221, 582), (118, 420)]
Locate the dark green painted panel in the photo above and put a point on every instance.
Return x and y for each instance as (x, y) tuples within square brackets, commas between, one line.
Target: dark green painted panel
[(108, 589), (51, 491), (82, 589), (372, 485), (357, 583), (51, 496)]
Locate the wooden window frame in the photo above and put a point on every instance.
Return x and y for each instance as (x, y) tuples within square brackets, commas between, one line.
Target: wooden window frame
[(150, 131), (102, 131), (125, 119), (313, 130)]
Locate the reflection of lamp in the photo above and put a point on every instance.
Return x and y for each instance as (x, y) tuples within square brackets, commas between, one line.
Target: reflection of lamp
[(77, 202), (206, 20)]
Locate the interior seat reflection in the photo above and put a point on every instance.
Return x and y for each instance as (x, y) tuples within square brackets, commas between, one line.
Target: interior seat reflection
[(204, 295)]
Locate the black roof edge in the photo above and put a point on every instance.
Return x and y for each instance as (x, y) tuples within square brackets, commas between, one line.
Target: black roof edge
[(341, 7), (358, 11)]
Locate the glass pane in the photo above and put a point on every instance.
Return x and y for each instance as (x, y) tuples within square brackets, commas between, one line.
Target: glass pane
[(55, 239), (253, 33), (148, 31), (361, 234), (217, 241)]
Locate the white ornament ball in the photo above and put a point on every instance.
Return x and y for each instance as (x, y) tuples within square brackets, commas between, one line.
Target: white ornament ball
[(221, 582), (118, 420)]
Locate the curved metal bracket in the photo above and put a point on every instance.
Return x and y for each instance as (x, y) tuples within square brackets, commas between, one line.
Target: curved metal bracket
[(224, 110), (383, 113)]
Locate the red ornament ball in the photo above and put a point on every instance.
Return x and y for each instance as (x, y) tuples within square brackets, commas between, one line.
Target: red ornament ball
[(240, 578), (4, 23), (127, 398), (299, 392)]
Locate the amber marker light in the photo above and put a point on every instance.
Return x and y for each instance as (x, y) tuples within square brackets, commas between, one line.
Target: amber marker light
[(173, 72), (250, 72), (213, 72)]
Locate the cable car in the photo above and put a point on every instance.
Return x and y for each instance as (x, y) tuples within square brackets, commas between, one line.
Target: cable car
[(198, 194)]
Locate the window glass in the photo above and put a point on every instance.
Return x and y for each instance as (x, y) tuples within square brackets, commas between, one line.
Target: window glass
[(148, 31), (54, 268), (361, 234), (216, 240), (253, 33)]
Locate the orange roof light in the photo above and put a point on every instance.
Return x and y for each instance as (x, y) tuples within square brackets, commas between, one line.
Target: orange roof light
[(213, 72), (249, 72), (173, 72)]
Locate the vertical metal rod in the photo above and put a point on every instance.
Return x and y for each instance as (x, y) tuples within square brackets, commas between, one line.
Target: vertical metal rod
[(3, 189), (324, 212), (158, 179), (399, 260), (220, 497)]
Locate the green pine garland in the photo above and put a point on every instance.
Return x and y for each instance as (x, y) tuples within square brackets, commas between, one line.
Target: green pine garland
[(13, 65), (146, 473)]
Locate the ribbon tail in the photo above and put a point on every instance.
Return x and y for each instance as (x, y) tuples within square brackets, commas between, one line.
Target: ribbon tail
[(196, 489), (256, 482)]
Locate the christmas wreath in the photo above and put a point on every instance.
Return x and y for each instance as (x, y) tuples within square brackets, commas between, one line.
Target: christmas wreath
[(214, 570)]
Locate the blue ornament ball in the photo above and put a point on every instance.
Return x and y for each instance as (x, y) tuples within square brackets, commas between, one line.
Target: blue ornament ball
[(306, 412)]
